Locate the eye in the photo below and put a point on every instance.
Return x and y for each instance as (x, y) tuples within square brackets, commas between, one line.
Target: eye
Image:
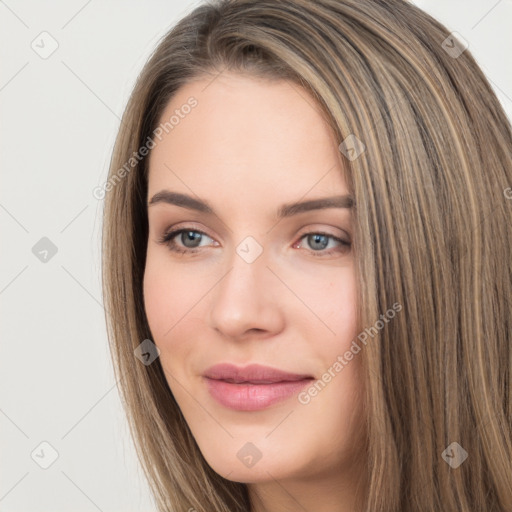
[(318, 241), (190, 238)]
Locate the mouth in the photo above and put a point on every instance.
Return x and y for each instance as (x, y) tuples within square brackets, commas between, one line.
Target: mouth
[(234, 381), (253, 373), (254, 387)]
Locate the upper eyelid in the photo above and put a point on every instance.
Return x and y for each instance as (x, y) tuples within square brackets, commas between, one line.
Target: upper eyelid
[(316, 218), (308, 230), (175, 230)]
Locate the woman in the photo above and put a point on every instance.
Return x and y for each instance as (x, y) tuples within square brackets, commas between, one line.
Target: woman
[(307, 242)]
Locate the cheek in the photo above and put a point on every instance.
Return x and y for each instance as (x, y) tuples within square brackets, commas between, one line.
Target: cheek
[(158, 303), (341, 303), (165, 299), (331, 297), (173, 302), (167, 295)]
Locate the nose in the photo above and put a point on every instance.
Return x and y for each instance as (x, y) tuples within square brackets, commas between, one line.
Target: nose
[(248, 300)]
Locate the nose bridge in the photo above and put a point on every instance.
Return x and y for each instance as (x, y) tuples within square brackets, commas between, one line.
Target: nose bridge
[(247, 275), (242, 299)]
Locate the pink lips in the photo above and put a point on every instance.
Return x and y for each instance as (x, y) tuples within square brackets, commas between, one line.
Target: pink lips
[(253, 387)]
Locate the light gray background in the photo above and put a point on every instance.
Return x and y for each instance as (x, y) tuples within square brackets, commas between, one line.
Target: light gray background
[(59, 119)]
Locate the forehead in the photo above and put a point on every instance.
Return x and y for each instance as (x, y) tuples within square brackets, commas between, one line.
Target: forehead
[(245, 137)]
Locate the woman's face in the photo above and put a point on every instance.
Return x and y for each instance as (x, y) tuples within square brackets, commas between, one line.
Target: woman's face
[(252, 281)]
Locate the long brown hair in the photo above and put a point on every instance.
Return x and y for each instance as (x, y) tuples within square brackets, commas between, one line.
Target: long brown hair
[(433, 232)]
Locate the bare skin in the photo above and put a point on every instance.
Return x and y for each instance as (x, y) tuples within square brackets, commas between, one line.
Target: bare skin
[(248, 147)]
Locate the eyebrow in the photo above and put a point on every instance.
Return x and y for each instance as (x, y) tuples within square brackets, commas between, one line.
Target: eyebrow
[(286, 210)]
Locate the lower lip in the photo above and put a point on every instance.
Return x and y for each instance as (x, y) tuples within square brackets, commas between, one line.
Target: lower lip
[(253, 397)]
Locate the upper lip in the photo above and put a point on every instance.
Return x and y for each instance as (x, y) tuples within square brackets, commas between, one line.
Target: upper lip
[(252, 373)]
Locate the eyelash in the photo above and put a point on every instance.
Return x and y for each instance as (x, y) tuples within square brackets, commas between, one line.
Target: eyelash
[(168, 239)]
